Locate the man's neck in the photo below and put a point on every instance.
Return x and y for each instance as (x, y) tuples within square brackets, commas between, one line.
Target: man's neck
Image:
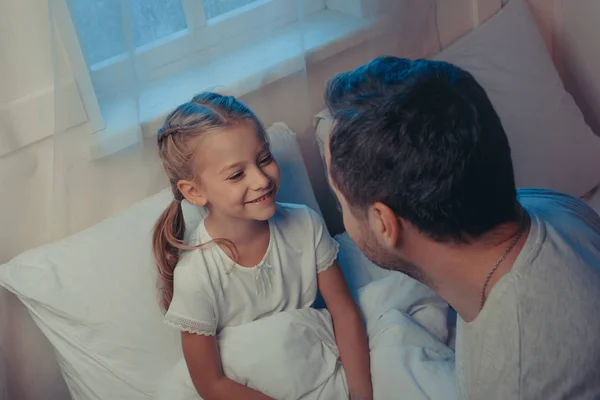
[(458, 272)]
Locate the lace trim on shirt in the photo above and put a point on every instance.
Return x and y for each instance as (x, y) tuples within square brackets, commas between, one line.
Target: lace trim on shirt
[(187, 325), (326, 262)]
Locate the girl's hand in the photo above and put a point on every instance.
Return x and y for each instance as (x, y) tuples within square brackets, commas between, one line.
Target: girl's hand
[(349, 331), (204, 364)]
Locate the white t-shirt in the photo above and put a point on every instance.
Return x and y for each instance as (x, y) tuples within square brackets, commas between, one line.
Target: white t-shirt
[(538, 335), (210, 295)]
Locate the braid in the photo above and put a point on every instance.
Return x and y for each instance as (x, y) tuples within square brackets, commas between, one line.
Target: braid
[(166, 132)]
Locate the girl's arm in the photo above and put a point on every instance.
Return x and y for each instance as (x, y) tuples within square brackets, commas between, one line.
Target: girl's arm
[(349, 332), (204, 363)]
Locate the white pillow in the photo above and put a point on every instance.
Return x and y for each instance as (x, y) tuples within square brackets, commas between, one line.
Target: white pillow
[(552, 147), (94, 294)]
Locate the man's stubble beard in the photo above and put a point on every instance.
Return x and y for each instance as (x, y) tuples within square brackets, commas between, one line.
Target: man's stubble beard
[(385, 259)]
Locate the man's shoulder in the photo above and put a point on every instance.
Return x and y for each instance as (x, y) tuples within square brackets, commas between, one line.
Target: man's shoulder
[(562, 253), (557, 286), (541, 320), (567, 228), (551, 203), (548, 198)]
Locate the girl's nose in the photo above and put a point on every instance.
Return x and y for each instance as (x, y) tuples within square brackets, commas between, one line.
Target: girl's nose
[(260, 180)]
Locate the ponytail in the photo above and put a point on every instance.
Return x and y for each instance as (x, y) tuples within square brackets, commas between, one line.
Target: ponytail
[(167, 241)]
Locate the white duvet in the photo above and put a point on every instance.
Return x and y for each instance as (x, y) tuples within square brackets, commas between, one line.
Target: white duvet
[(293, 355)]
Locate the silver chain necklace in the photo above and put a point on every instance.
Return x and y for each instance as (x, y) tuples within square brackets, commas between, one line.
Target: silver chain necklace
[(502, 257)]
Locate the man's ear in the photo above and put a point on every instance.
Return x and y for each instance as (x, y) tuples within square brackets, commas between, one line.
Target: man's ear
[(192, 192), (385, 224)]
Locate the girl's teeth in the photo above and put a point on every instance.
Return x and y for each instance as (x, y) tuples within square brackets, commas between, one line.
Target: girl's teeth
[(260, 199)]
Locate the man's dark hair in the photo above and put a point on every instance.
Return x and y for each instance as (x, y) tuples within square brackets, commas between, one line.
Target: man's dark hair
[(423, 138)]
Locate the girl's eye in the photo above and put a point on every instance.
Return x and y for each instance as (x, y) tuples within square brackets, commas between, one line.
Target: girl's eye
[(236, 177), (266, 159)]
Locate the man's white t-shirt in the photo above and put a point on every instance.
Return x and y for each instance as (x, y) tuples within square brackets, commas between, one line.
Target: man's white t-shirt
[(211, 292), (538, 335)]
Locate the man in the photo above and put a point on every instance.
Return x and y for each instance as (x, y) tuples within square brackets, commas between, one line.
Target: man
[(421, 165)]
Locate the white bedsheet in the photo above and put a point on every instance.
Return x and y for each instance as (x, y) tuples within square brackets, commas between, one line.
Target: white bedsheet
[(293, 355)]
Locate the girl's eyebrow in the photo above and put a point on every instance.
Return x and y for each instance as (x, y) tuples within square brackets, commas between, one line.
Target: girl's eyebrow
[(230, 166)]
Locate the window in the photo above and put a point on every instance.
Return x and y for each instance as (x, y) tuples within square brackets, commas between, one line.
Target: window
[(164, 34)]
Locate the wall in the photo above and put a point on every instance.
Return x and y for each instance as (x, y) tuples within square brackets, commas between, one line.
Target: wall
[(30, 213)]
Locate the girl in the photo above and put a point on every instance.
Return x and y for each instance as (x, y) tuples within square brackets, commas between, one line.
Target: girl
[(264, 257)]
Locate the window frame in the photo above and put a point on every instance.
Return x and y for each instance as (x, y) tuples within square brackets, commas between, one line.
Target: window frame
[(200, 41)]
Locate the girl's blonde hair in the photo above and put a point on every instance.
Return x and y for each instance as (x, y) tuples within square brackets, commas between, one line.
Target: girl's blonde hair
[(207, 112)]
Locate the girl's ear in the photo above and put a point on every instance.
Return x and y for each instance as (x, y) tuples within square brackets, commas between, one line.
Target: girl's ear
[(192, 192)]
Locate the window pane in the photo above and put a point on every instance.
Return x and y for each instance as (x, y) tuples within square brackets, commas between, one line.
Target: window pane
[(100, 28), (102, 24), (155, 19), (214, 8)]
